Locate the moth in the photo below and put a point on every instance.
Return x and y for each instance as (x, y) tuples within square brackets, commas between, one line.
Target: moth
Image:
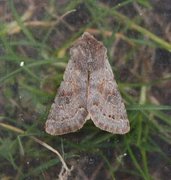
[(88, 90)]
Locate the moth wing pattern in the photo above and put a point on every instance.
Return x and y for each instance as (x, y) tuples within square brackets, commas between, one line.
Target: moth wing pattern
[(88, 89), (105, 103), (69, 111)]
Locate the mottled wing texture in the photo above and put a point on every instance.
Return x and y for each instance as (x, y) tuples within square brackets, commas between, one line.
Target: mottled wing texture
[(105, 104), (69, 110), (88, 88)]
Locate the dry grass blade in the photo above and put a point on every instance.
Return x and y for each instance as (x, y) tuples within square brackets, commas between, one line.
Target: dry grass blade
[(65, 171)]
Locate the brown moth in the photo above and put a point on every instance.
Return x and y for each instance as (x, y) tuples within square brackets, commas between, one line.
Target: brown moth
[(88, 89)]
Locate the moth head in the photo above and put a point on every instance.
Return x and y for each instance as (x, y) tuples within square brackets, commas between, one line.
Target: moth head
[(92, 42)]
